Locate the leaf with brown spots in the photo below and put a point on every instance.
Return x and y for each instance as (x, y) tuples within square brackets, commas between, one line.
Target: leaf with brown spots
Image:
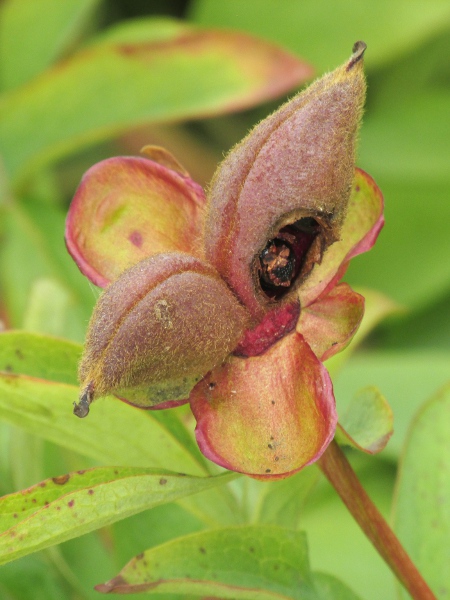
[(68, 506), (242, 563)]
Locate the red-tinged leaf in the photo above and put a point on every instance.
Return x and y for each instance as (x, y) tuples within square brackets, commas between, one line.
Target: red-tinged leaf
[(269, 415), (139, 77), (360, 230), (129, 208), (367, 423), (329, 323)]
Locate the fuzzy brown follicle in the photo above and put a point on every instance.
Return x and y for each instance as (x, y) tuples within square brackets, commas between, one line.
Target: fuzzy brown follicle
[(298, 163), (156, 330)]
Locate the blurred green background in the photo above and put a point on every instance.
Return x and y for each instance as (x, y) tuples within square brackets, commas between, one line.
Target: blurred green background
[(404, 145)]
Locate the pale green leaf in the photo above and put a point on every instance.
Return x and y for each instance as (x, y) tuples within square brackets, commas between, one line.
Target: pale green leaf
[(408, 261), (367, 424), (377, 307), (114, 433), (422, 507), (281, 503), (330, 588), (239, 563), (405, 377), (38, 355), (299, 25), (34, 396), (35, 34), (33, 248)]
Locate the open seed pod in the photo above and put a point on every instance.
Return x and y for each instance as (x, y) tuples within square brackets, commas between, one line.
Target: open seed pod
[(278, 200)]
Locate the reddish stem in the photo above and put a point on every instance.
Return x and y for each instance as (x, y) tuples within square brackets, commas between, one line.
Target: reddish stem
[(339, 472)]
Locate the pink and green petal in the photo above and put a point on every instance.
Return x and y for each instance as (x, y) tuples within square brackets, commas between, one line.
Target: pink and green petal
[(363, 223), (329, 323), (127, 209), (267, 416)]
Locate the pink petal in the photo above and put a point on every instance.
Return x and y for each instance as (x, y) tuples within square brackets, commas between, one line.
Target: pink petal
[(329, 323), (360, 230), (269, 415), (129, 208)]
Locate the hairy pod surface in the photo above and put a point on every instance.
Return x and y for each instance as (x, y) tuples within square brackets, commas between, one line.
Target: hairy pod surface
[(278, 200), (160, 327)]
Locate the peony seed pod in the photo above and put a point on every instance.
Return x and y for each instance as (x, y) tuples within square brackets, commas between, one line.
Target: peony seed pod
[(158, 329), (278, 200)]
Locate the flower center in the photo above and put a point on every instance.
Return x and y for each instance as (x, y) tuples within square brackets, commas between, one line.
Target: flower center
[(282, 260)]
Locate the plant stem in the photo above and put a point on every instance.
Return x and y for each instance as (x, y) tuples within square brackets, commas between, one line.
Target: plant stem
[(339, 472)]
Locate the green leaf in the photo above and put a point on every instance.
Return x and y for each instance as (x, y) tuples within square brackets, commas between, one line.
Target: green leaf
[(296, 25), (409, 152), (281, 504), (64, 507), (330, 588), (37, 355), (337, 544), (377, 307), (422, 507), (33, 249), (413, 153), (114, 433), (113, 86), (31, 577), (367, 423), (48, 308), (239, 563), (395, 266), (34, 34), (405, 378), (35, 397)]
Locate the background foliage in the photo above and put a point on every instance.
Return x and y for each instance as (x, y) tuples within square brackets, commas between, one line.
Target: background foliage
[(50, 136)]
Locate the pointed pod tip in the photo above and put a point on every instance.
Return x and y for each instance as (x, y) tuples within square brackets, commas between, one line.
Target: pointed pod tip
[(358, 50), (81, 409)]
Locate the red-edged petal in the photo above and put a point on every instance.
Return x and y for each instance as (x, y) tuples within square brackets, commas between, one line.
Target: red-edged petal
[(360, 230), (329, 323), (269, 415), (129, 208)]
